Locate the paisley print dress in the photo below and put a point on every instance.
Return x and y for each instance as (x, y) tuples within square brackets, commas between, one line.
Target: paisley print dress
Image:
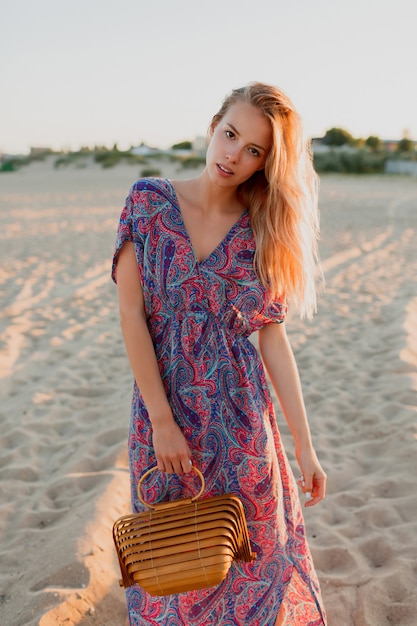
[(200, 317)]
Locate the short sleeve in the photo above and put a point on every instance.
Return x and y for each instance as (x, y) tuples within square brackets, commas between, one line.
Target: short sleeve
[(276, 311), (130, 227)]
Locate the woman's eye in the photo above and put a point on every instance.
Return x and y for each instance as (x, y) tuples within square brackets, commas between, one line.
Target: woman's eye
[(230, 134), (254, 151)]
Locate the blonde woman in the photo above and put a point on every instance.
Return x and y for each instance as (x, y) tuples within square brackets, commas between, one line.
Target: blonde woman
[(200, 265)]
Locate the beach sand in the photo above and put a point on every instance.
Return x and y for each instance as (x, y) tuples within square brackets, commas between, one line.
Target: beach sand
[(65, 389)]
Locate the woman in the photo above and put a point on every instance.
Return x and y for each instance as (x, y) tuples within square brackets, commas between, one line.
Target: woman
[(200, 265)]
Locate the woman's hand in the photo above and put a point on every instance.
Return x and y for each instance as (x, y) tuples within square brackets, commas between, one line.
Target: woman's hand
[(313, 478), (172, 451)]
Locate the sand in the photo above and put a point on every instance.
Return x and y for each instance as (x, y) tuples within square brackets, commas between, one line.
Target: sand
[(65, 393)]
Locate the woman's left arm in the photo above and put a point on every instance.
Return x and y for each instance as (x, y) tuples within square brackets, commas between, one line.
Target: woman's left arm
[(280, 364)]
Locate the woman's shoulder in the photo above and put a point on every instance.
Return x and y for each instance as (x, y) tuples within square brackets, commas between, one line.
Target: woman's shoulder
[(147, 198), (152, 188)]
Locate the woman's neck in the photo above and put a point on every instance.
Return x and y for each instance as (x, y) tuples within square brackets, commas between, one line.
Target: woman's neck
[(208, 197)]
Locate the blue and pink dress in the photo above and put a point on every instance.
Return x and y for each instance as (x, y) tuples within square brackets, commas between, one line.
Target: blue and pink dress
[(200, 317)]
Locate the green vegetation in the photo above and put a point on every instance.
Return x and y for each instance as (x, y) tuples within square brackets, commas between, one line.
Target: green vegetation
[(72, 158), (183, 145), (338, 151), (405, 145), (338, 137), (13, 164), (192, 162), (150, 172), (8, 166), (360, 161), (347, 154), (104, 156), (110, 158), (373, 143)]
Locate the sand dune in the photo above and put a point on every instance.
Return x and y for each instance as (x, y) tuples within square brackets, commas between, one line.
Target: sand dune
[(65, 395)]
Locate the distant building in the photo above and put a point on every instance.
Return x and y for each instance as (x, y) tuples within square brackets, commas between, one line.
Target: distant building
[(39, 151), (390, 145), (144, 150)]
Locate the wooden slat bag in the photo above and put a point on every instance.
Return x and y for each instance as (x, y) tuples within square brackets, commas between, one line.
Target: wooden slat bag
[(181, 545)]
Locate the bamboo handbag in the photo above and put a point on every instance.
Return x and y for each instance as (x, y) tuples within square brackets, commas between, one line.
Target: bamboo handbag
[(181, 545)]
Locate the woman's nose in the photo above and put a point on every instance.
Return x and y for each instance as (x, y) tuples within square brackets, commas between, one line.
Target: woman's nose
[(233, 155)]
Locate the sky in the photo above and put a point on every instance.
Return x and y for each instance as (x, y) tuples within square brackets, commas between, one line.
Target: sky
[(97, 72)]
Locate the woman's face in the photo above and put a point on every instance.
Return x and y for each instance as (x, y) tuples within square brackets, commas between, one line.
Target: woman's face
[(239, 145)]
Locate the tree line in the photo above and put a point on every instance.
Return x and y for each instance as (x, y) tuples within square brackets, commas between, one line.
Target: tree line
[(359, 156)]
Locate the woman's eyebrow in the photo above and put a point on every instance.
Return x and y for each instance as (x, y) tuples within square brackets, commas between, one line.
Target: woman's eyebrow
[(238, 133)]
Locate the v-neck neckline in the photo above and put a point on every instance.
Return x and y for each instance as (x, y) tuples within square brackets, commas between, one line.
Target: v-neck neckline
[(187, 236)]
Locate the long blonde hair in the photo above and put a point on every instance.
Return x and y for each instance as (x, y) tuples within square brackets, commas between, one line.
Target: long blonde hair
[(282, 200)]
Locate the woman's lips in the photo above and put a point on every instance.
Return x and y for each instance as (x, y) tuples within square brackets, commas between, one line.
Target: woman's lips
[(224, 171)]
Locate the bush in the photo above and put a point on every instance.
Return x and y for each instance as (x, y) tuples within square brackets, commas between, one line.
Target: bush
[(110, 158), (373, 143), (351, 162), (107, 158), (405, 145), (150, 172), (192, 162), (8, 166), (62, 161), (338, 137), (68, 159), (183, 145), (134, 159)]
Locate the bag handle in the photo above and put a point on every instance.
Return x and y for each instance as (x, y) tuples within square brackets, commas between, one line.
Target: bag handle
[(153, 469)]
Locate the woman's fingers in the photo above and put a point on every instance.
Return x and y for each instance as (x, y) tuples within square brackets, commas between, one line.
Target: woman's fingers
[(175, 465), (173, 454), (181, 466), (318, 491), (313, 487)]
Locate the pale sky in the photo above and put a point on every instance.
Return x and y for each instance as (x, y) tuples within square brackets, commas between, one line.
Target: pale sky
[(87, 72)]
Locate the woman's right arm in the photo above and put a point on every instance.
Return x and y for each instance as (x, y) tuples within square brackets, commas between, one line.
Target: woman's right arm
[(172, 452)]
